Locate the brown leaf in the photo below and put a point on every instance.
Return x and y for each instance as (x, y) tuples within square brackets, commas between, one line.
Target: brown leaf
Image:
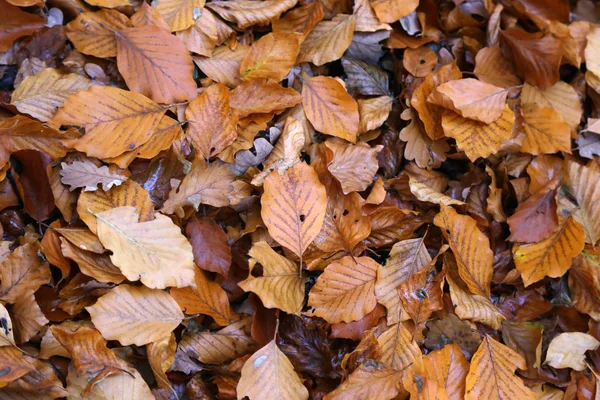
[(161, 355), (370, 380), (263, 96), (398, 348), (562, 97), (16, 23), (584, 185), (546, 131), (207, 297), (13, 363), (24, 269), (373, 112), (536, 218), (492, 68), (584, 282), (85, 174), (246, 13), (209, 245), (301, 19), (364, 78), (224, 64), (392, 10), (420, 61), (165, 66), (99, 267), (147, 15), (354, 166), (448, 367), (135, 315), (328, 40), (28, 317)]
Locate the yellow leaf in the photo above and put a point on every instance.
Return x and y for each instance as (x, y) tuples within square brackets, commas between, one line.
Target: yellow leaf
[(179, 14), (552, 256), (156, 64), (448, 367), (330, 108), (224, 64), (202, 37), (345, 291), (135, 315), (491, 373), (373, 112), (561, 97), (115, 120), (354, 166), (207, 297), (567, 350), (212, 122), (470, 247), (546, 131), (424, 193), (371, 380), (399, 350), (269, 375), (391, 11), (42, 94), (154, 252), (280, 285), (584, 183), (293, 206), (271, 56), (246, 13), (328, 40), (431, 114), (478, 139), (93, 33)]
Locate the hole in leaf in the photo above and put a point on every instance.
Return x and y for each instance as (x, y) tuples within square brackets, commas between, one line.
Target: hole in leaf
[(302, 217)]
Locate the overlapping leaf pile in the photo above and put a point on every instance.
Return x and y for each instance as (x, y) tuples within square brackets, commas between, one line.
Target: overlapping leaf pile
[(293, 199)]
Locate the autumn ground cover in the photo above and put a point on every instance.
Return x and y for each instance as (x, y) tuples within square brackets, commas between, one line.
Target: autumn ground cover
[(293, 199)]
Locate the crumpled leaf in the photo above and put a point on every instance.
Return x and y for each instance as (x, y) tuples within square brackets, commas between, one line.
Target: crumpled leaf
[(567, 350)]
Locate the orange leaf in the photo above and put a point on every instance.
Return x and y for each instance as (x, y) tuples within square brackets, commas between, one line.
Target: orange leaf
[(328, 40), (584, 183), (448, 367), (98, 266), (398, 348), (584, 282), (156, 64), (28, 317), (536, 218), (301, 19), (271, 56), (371, 380), (420, 61), (392, 10), (147, 15), (293, 206), (179, 14), (263, 96), (546, 131), (427, 153), (492, 68), (354, 166), (246, 13), (22, 271), (562, 97), (13, 363), (16, 23), (330, 108), (93, 33), (212, 122), (223, 65)]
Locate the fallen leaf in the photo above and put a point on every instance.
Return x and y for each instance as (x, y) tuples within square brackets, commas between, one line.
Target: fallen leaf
[(392, 10), (491, 67), (562, 97), (546, 131), (271, 56), (93, 33), (148, 15), (209, 245), (24, 269), (224, 64), (85, 174), (567, 350), (16, 23), (179, 14), (427, 153), (262, 96), (28, 317), (373, 112), (365, 79), (246, 13), (449, 368), (536, 218), (584, 282), (583, 183), (14, 363), (370, 380), (301, 19), (354, 166), (398, 348), (328, 40)]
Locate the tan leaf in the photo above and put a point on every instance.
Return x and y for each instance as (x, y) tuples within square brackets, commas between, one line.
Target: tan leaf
[(129, 193), (427, 153), (204, 184), (373, 112), (371, 380), (448, 367), (212, 122), (328, 40), (567, 350), (269, 375), (22, 133), (391, 11), (591, 52), (147, 15), (398, 348), (407, 257), (224, 64), (154, 252), (478, 139), (246, 13), (584, 183), (14, 363), (202, 37), (156, 64), (561, 97), (42, 94), (491, 67), (280, 285), (179, 14), (491, 373), (93, 33), (345, 291), (420, 61), (552, 256), (366, 19), (85, 174), (330, 108), (301, 19), (89, 353), (424, 193), (28, 317), (82, 238), (7, 332), (293, 206), (271, 56), (471, 99), (21, 271), (469, 306), (354, 166), (105, 111), (218, 347), (17, 23), (470, 247), (161, 355), (584, 282), (135, 315), (206, 298), (98, 266), (430, 113)]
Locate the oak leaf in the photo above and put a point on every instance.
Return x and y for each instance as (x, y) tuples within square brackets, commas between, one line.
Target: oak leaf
[(293, 206), (135, 315), (246, 13), (154, 252), (345, 291), (207, 297), (430, 113), (427, 153), (491, 373), (126, 117), (179, 14), (212, 122), (271, 56), (156, 64), (551, 256), (470, 247), (330, 108), (93, 33), (567, 350), (280, 285), (270, 375), (471, 99), (86, 175), (42, 94), (328, 40)]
